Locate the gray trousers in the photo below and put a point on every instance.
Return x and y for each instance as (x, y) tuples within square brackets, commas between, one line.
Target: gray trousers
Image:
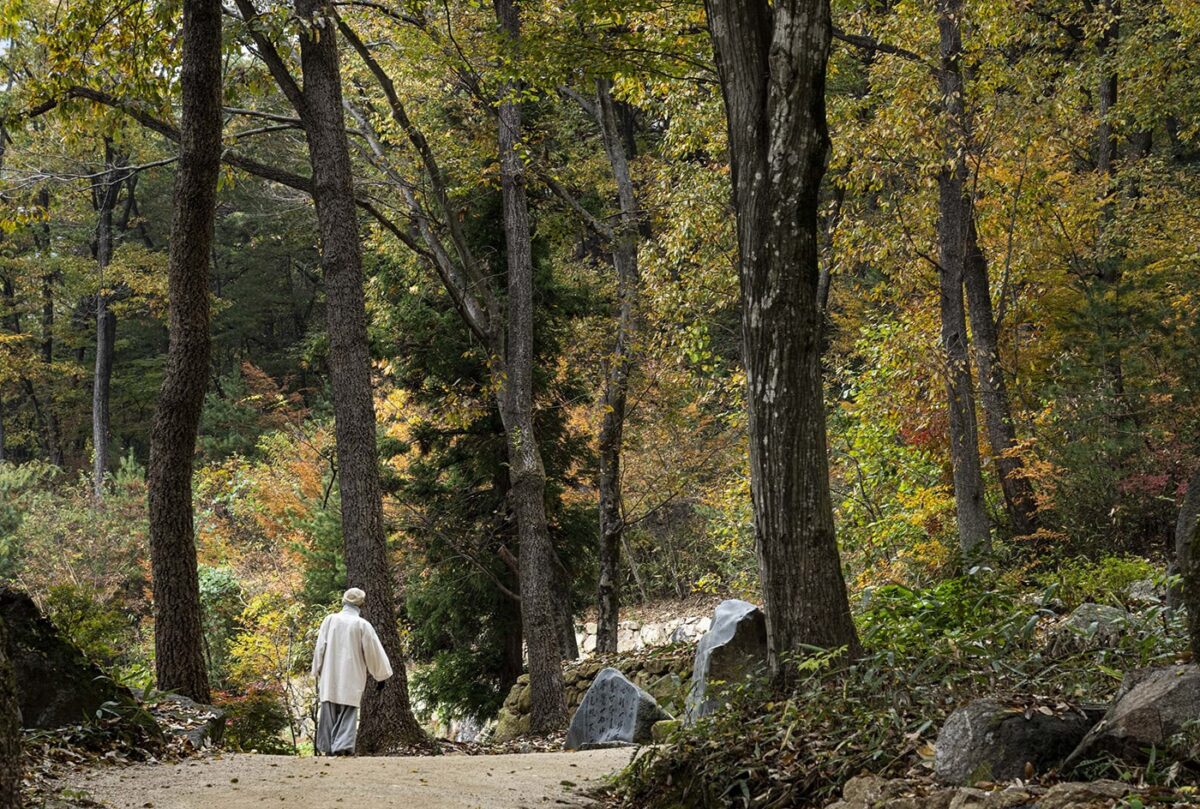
[(337, 729)]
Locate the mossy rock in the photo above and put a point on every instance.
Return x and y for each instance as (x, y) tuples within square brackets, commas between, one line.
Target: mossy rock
[(661, 731), (510, 725)]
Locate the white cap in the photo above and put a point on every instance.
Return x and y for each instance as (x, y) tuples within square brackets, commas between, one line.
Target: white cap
[(354, 597)]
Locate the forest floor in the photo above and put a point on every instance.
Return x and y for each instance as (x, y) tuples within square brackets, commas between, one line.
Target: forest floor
[(241, 781)]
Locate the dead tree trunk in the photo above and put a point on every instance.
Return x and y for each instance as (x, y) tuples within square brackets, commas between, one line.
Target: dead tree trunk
[(178, 634), (527, 475), (954, 226), (388, 721), (771, 59)]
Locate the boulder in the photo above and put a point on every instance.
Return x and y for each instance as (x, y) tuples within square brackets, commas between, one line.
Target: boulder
[(1086, 795), (651, 634), (874, 792), (666, 689), (994, 740), (1145, 593), (1152, 707), (56, 684), (871, 791), (1011, 797), (1089, 626), (614, 710), (661, 730), (510, 725), (733, 649)]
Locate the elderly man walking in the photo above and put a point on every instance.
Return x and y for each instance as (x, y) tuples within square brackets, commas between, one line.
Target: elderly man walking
[(347, 650)]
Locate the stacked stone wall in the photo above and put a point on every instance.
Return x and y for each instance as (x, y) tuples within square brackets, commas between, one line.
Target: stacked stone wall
[(665, 672)]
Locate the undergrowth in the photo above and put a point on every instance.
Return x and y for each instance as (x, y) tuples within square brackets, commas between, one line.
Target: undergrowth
[(927, 653)]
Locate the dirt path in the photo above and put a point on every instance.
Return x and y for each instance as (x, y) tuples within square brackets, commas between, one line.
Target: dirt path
[(454, 782)]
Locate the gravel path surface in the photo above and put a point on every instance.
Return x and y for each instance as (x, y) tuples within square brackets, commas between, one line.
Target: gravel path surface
[(241, 781)]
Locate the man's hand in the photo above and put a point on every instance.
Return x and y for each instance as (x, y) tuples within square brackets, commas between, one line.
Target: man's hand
[(379, 686)]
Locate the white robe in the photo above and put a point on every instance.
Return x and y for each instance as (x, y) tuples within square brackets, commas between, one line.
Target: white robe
[(347, 649)]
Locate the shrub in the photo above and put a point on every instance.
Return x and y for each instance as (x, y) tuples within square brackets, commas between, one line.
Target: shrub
[(1106, 581), (255, 722), (101, 631), (221, 601)]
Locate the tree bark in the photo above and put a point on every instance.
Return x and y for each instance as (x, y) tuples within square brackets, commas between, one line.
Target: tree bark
[(10, 730), (620, 362), (178, 636), (106, 324), (1109, 271), (1019, 501), (771, 59), (955, 213), (1187, 559), (387, 718), (53, 434), (568, 645), (527, 475), (6, 291)]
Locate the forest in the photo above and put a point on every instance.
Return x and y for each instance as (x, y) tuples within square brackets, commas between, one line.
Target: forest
[(540, 321)]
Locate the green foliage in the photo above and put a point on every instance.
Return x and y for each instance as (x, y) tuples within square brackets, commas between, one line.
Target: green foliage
[(1105, 581), (221, 602), (906, 620), (20, 485), (100, 630), (323, 555)]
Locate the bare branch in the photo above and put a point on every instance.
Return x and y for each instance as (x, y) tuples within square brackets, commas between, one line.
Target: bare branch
[(871, 44)]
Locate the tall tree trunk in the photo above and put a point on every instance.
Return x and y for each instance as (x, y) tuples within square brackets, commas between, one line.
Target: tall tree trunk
[(993, 390), (178, 635), (1109, 271), (616, 382), (771, 58), (527, 474), (1187, 559), (10, 730), (568, 644), (53, 434), (953, 231), (387, 718), (6, 290), (106, 324)]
